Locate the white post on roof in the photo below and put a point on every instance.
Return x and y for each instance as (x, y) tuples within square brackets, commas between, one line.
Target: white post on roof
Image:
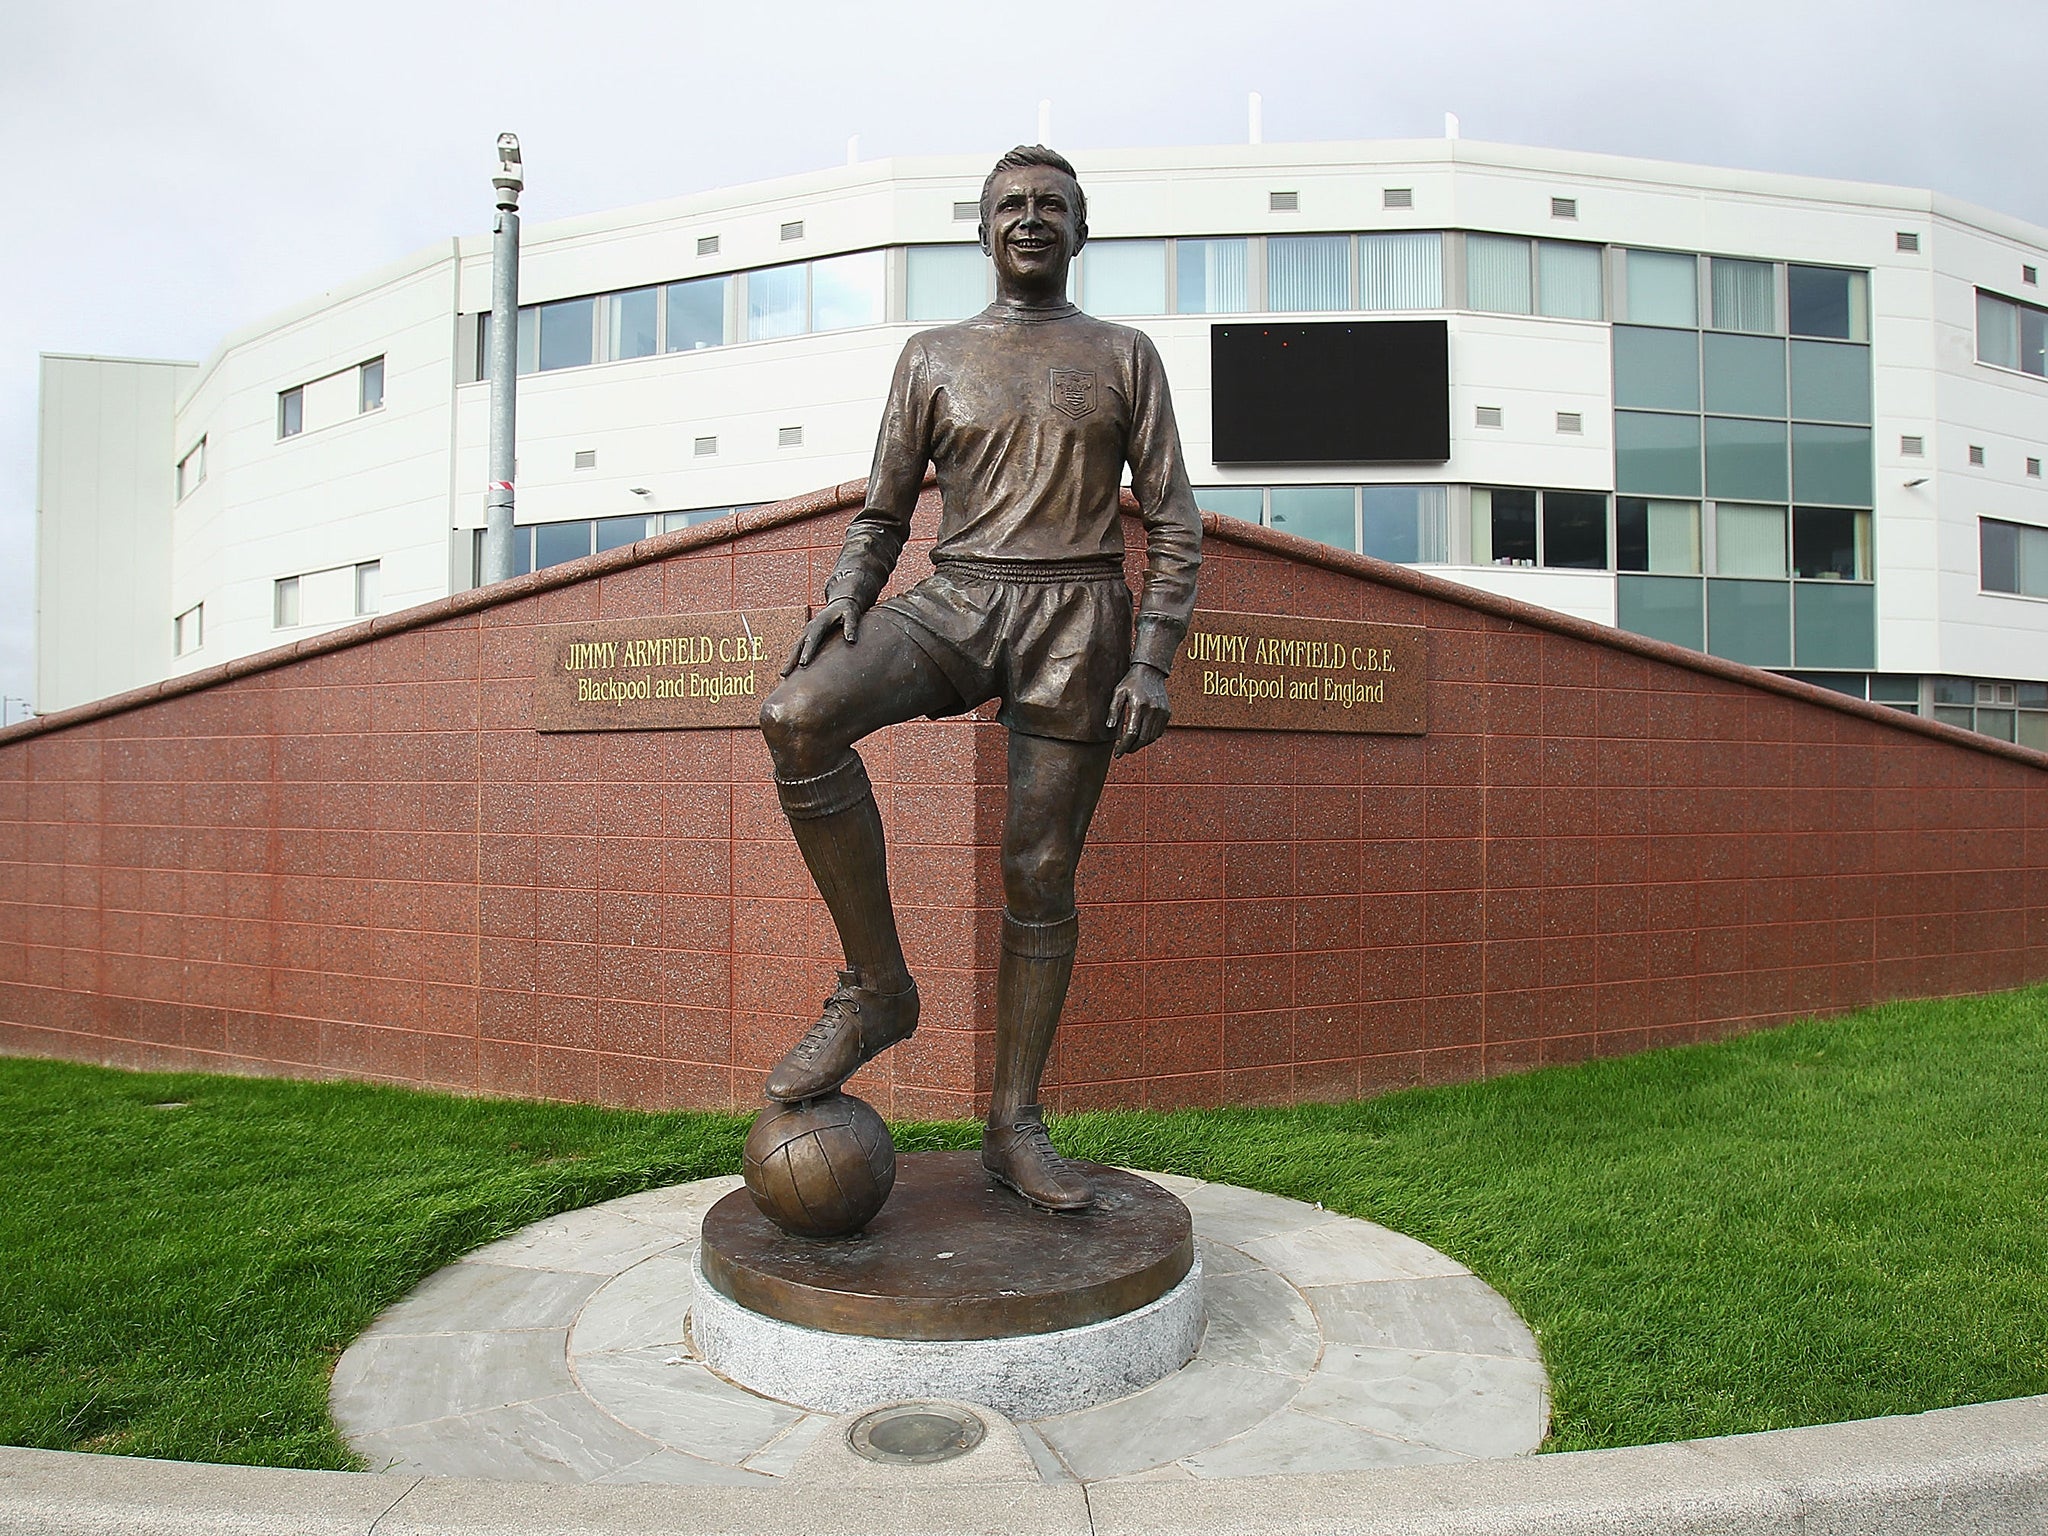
[(1450, 125)]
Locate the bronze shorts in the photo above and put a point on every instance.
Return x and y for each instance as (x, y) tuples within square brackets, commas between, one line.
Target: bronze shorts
[(1051, 639)]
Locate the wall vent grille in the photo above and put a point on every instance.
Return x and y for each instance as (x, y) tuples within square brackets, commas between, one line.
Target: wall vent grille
[(2031, 276), (586, 458), (789, 437), (1564, 207), (1571, 421), (1397, 197), (1283, 202), (2034, 468), (707, 245), (705, 447), (1912, 447), (1909, 240), (1976, 455), (967, 213), (793, 230), (1489, 416)]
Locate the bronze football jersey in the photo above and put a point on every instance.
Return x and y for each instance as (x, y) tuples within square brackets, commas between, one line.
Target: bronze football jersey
[(1029, 417)]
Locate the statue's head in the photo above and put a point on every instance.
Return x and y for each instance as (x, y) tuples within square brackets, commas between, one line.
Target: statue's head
[(1034, 215)]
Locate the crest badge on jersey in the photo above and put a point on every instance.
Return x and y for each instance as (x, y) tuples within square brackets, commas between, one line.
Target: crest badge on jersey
[(1073, 391)]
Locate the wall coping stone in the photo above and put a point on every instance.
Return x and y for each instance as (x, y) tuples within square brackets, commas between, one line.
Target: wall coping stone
[(1982, 1468)]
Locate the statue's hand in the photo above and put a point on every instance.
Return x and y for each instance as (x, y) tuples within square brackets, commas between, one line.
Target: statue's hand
[(842, 613), (1138, 712)]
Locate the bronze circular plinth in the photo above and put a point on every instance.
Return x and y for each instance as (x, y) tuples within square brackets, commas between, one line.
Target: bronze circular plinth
[(954, 1255)]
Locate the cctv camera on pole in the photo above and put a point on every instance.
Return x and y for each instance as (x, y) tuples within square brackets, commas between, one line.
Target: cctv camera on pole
[(504, 358)]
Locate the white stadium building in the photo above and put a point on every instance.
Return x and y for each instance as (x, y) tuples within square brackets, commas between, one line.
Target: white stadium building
[(1794, 422)]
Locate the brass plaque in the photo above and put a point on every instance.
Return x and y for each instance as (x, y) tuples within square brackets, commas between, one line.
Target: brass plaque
[(1275, 672), (686, 672)]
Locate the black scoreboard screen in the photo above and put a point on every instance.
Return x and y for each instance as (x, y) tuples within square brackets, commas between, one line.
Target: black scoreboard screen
[(1330, 392)]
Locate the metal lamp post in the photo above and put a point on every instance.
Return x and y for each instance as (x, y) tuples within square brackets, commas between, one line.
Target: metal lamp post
[(504, 360)]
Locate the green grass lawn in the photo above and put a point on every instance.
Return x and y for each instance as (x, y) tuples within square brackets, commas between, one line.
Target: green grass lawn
[(1828, 1221)]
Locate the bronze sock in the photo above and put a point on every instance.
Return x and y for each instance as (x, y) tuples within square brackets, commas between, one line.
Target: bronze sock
[(1031, 987), (839, 831)]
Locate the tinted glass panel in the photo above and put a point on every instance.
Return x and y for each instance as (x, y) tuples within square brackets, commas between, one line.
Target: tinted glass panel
[(947, 282), (1245, 501), (848, 290), (1745, 458), (1125, 277), (775, 302), (1835, 625), (1211, 276), (629, 327), (1750, 621), (556, 542), (1575, 530), (1998, 548), (617, 532), (1503, 527), (1825, 301), (1745, 374), (1663, 289), (1745, 295), (1568, 280), (1662, 607), (1831, 543), (1656, 535), (1831, 464), (1306, 272), (1830, 382), (1404, 270), (1749, 541), (1320, 512), (2034, 341), (1497, 274), (1403, 522), (1656, 455), (696, 314), (567, 331), (1656, 369), (1998, 331)]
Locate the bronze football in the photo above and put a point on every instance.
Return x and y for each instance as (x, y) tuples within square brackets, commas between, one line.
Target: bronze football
[(822, 1168)]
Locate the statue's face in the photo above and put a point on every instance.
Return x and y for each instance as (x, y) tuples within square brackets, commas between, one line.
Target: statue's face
[(1034, 227)]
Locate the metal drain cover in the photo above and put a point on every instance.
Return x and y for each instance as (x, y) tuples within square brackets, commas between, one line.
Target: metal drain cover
[(912, 1434)]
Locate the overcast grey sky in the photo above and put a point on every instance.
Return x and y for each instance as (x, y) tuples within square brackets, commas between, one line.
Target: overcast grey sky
[(173, 172)]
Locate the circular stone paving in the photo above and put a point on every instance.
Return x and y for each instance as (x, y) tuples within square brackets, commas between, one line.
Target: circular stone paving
[(562, 1354)]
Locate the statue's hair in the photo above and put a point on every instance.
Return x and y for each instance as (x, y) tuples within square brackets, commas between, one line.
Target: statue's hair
[(1034, 154)]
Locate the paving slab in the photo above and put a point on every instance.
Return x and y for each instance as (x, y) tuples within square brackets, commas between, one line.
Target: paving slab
[(1475, 1405), (559, 1439), (506, 1298), (1199, 1406), (384, 1380), (595, 1240), (683, 1405), (1341, 1251), (1259, 1321), (1458, 1313), (647, 1304), (1293, 1441)]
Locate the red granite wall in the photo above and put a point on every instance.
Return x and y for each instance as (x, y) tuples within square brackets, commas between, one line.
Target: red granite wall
[(356, 857)]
